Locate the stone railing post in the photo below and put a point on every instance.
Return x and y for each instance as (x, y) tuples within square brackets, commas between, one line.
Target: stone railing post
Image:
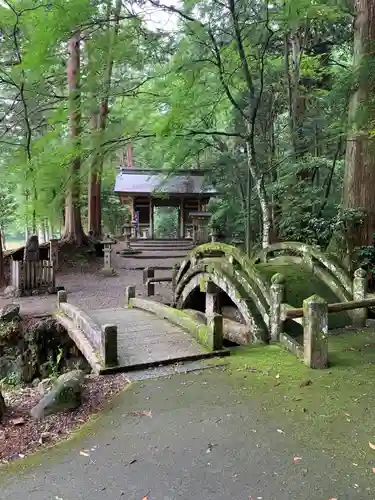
[(360, 282), (315, 332), (149, 273), (109, 345), (277, 297), (212, 294), (215, 324), (62, 296), (129, 294), (175, 270)]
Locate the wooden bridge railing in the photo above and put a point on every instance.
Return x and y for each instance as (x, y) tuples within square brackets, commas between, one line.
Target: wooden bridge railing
[(150, 280)]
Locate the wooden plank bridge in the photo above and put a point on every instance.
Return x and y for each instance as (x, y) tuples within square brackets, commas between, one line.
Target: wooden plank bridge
[(141, 336)]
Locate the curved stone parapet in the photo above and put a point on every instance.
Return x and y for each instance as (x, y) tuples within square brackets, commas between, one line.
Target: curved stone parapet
[(98, 343), (248, 282), (329, 269)]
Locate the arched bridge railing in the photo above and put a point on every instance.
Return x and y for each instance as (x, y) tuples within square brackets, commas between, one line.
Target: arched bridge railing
[(233, 273), (325, 267), (97, 343)]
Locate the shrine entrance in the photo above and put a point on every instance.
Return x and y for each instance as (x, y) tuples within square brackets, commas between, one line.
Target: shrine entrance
[(166, 222), (150, 192)]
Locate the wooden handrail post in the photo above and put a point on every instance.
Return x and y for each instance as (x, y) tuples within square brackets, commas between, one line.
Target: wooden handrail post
[(315, 332), (359, 316), (148, 272), (277, 297)]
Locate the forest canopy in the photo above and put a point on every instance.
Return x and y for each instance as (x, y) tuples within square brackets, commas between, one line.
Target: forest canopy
[(273, 99)]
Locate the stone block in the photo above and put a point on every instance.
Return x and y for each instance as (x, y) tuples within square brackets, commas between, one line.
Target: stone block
[(315, 332), (277, 297), (109, 343), (215, 324), (360, 283), (129, 294), (62, 297)]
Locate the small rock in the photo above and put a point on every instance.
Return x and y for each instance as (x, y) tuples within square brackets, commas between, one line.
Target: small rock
[(305, 383), (9, 312), (35, 382), (66, 394), (45, 385), (10, 291), (45, 436), (18, 421)]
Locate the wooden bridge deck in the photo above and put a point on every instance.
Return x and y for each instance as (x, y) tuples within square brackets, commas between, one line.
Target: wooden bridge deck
[(143, 338)]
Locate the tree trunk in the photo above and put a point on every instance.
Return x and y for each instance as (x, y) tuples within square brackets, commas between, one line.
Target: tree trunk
[(99, 123), (73, 231), (2, 276), (359, 179), (260, 189)]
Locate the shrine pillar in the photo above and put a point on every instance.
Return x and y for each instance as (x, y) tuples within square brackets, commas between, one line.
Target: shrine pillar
[(151, 220), (181, 219)]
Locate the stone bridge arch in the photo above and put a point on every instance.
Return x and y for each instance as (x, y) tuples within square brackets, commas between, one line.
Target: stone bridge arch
[(246, 282)]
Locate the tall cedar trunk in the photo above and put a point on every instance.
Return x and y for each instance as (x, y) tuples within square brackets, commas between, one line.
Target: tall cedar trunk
[(293, 53), (260, 189), (99, 123), (359, 180), (73, 231)]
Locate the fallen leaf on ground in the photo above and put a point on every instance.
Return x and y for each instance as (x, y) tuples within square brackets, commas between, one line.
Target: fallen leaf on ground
[(142, 413), (84, 453), (372, 446), (296, 459)]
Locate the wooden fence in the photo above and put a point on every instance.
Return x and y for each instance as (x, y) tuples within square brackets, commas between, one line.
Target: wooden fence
[(149, 278), (27, 276)]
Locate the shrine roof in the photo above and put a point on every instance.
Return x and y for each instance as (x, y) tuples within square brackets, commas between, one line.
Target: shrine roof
[(147, 182)]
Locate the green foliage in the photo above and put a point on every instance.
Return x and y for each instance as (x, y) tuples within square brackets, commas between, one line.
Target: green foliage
[(194, 97), (166, 222)]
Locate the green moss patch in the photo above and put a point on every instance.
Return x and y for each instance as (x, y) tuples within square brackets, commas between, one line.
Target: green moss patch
[(300, 284), (327, 409)]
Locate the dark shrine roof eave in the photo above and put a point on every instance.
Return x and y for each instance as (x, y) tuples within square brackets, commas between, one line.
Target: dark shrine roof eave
[(166, 196), (157, 183)]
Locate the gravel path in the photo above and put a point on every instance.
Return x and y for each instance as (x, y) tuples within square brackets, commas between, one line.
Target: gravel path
[(89, 290)]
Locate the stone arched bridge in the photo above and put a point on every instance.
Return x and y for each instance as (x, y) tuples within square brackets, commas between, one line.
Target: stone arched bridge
[(217, 289), (142, 334)]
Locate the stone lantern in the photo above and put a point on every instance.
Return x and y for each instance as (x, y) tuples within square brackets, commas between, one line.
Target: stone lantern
[(107, 268), (127, 229)]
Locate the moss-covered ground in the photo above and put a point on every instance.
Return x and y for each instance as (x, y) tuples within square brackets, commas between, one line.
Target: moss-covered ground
[(327, 409)]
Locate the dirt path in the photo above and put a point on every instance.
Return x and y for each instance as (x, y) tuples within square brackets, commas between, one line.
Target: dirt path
[(89, 290)]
